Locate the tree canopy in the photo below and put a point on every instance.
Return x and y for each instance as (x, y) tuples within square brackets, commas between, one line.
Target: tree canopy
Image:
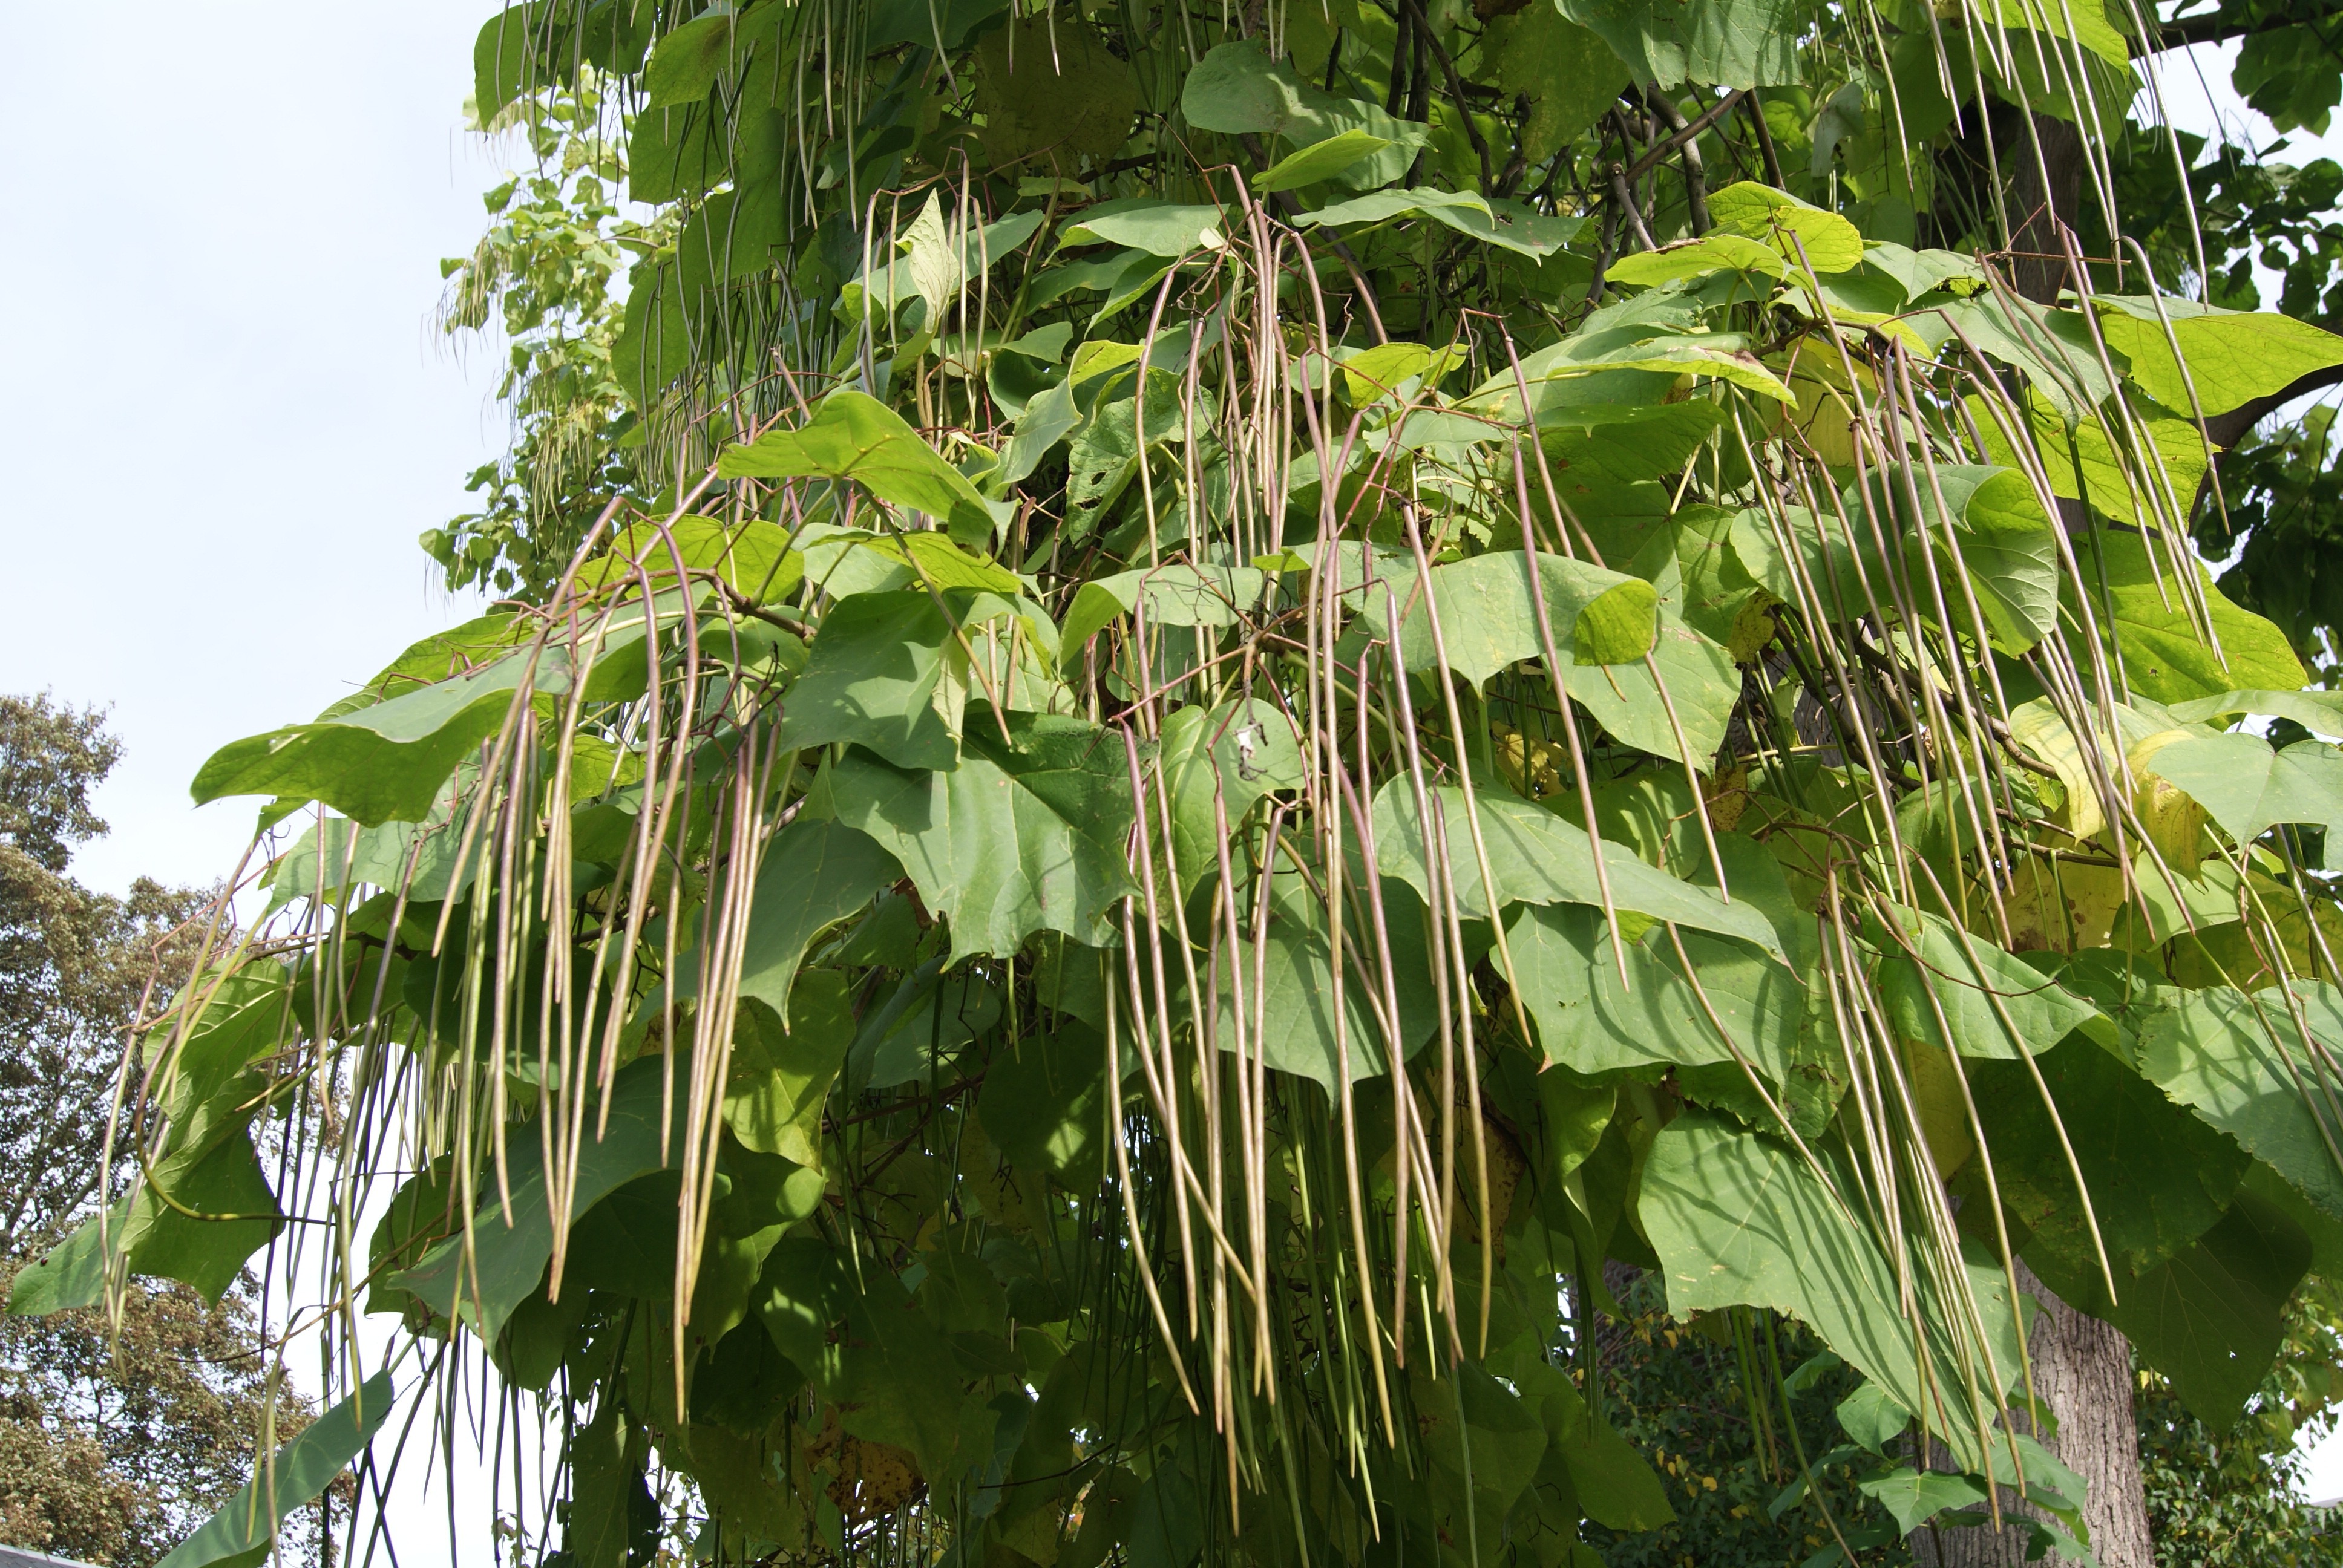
[(1200, 709), (116, 1436)]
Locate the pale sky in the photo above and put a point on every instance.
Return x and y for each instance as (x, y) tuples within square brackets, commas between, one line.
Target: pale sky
[(227, 418)]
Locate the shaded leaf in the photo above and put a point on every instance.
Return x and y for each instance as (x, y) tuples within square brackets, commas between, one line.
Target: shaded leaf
[(1738, 1219), (778, 1079), (512, 1256), (2233, 1059)]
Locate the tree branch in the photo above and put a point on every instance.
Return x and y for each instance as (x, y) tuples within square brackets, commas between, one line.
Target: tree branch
[(2227, 429), (1456, 89), (2237, 22)]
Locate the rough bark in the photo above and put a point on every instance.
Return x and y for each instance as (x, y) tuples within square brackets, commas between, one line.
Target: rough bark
[(2037, 210), (2082, 1371), (2082, 1367)]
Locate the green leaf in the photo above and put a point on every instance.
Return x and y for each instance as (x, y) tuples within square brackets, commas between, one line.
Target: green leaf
[(1916, 1496), (2085, 24), (1173, 594), (1965, 982), (1488, 619), (72, 1274), (1639, 346), (244, 1532), (345, 854), (1627, 442), (1488, 622), (1537, 858), (874, 679), (918, 1037), (1320, 160), (2008, 556), (856, 436), (928, 269), (505, 56), (2234, 1061), (2234, 357), (684, 64), (512, 1248), (1508, 224), (1161, 228), (1618, 625), (2321, 711), (1738, 1219), (1049, 86), (1472, 1425), (752, 557), (1870, 1417), (1237, 90), (1025, 835), (222, 1179), (1759, 212), (774, 1091), (885, 1371), (1044, 1103), (2081, 462), (1923, 272), (1718, 43), (2159, 1177), (613, 1519), (1697, 258), (439, 656), (1568, 72), (2164, 659), (1615, 1484), (2246, 785), (2053, 349), (816, 873), (2213, 1318), (1570, 982), (387, 762), (1295, 995), (1240, 751), (944, 564)]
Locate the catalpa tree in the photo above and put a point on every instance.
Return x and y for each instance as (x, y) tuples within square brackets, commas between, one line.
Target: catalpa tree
[(1223, 703)]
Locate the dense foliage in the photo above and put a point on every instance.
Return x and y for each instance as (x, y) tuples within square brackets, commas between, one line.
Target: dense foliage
[(1217, 705), (2226, 1499)]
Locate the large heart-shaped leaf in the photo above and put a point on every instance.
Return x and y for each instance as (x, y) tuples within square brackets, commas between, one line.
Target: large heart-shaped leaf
[(1025, 835), (1740, 1219), (2142, 610)]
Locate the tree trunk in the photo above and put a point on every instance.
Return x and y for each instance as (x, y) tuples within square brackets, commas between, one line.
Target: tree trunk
[(2082, 1371), (2039, 270)]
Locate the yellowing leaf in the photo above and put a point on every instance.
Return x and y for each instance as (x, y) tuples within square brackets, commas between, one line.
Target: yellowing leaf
[(1830, 242), (1697, 258), (1618, 625)]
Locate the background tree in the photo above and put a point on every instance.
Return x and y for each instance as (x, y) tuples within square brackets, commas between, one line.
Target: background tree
[(117, 1439)]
